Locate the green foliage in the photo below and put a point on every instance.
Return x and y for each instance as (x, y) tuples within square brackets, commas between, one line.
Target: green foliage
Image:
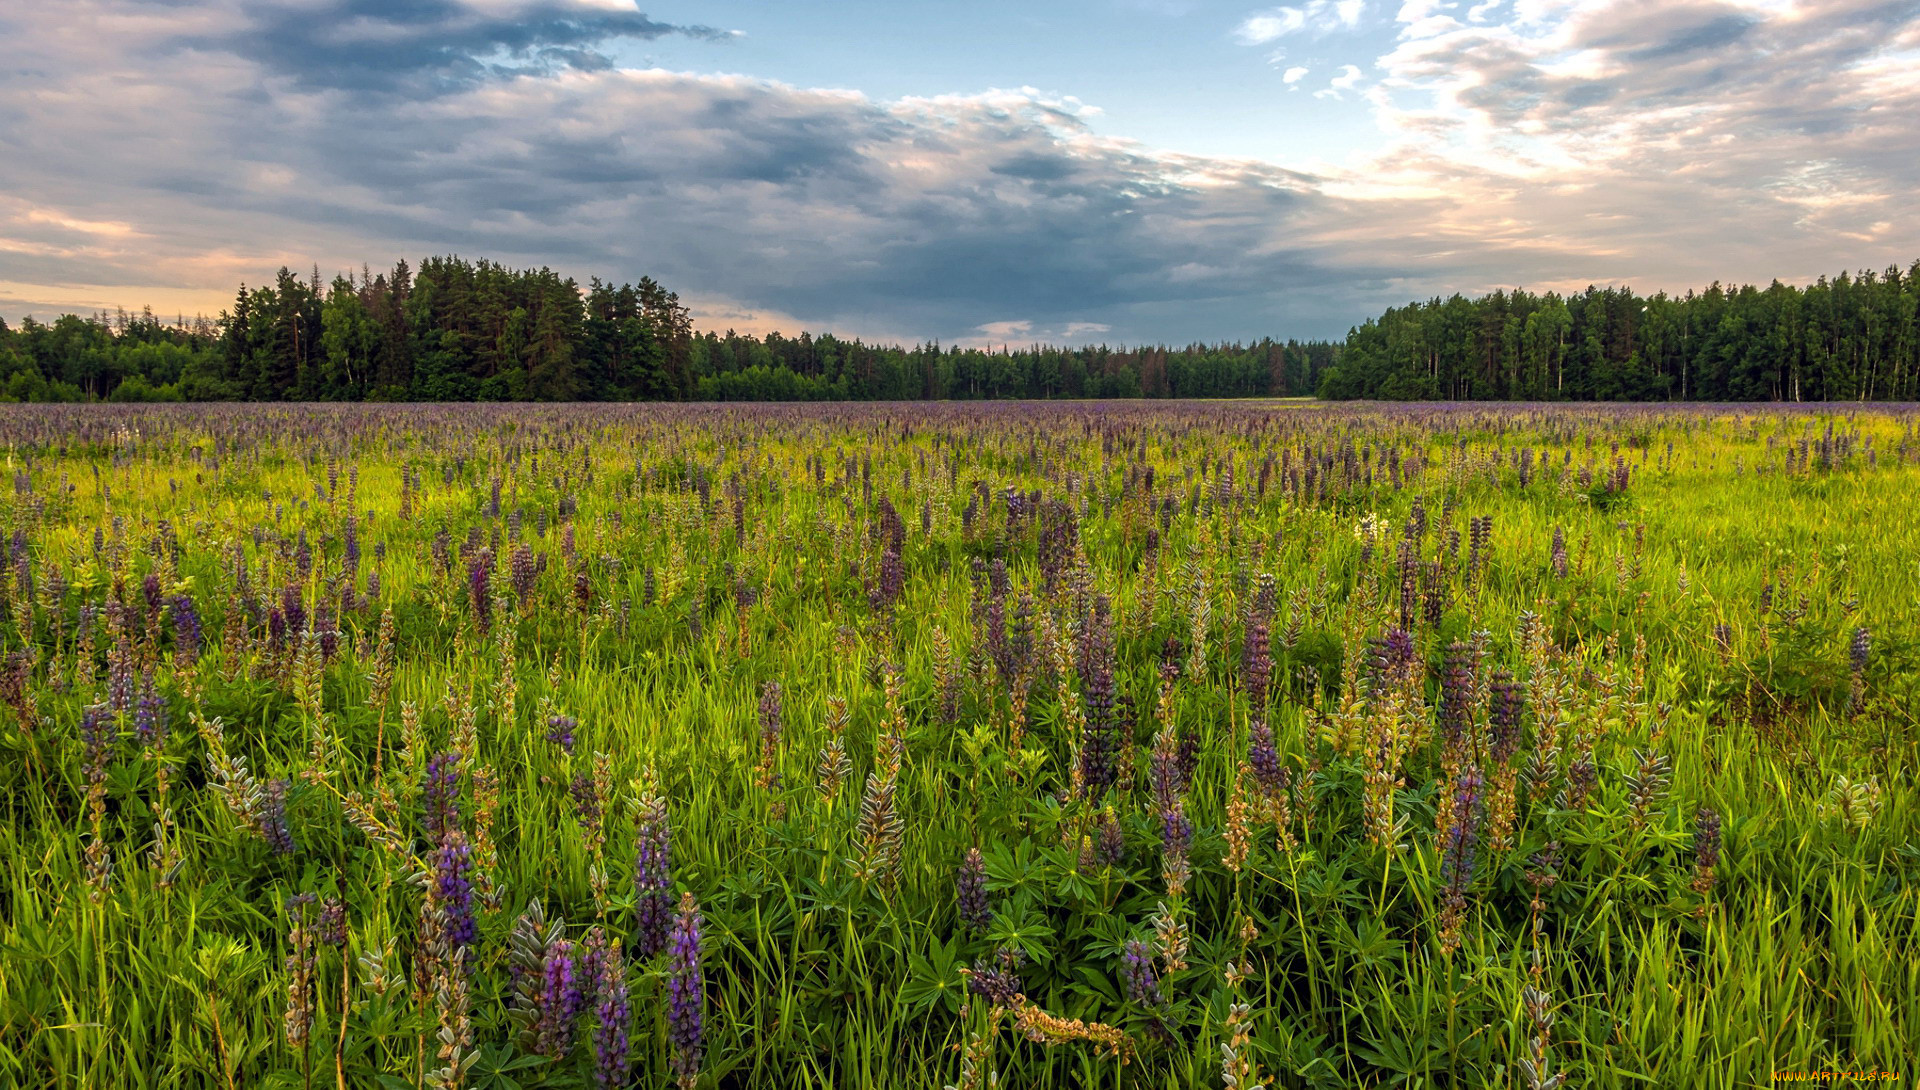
[(675, 559), (1851, 338)]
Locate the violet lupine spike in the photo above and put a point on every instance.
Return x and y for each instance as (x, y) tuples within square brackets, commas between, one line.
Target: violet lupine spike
[(997, 979), (120, 680), (586, 800), (150, 714), (1456, 695), (479, 590), (1257, 653), (1456, 866), (331, 928), (770, 724), (1163, 771), (150, 590), (1457, 854), (970, 891), (1143, 981), (293, 609), (1860, 650), (272, 818), (1508, 702), (653, 877), (1110, 845), (560, 730), (612, 1015), (1263, 757), (687, 992), (97, 736), (188, 635), (1098, 744), (1176, 847), (453, 890), (440, 794), (1706, 839), (562, 999)]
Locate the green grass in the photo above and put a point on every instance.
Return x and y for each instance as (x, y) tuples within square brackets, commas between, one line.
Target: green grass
[(1799, 954)]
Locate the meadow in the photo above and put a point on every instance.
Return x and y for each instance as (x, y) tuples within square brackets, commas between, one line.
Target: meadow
[(1032, 745)]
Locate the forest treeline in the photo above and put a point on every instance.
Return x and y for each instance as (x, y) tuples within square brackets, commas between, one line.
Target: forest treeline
[(458, 330), (1854, 337)]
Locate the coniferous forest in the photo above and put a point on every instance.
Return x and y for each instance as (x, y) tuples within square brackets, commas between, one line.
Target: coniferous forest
[(1851, 338), (459, 330)]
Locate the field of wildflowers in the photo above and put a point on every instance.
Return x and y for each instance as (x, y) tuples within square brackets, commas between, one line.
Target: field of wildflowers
[(1171, 744)]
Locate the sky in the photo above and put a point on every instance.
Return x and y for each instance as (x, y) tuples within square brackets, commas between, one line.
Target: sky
[(1118, 171)]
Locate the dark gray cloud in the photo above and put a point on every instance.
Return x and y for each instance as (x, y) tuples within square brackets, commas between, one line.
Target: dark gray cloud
[(429, 46), (931, 217), (177, 149)]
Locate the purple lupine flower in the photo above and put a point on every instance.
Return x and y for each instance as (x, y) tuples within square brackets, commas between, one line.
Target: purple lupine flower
[(582, 589), (440, 794), (560, 731), (275, 826), (453, 890), (97, 736), (1559, 559), (769, 734), (891, 583), (586, 800), (276, 628), (1456, 866), (294, 609), (332, 927), (328, 632), (188, 636), (150, 713), (350, 546), (1409, 578), (1109, 844), (686, 987), (1706, 839), (524, 572), (1143, 982), (1390, 660), (1257, 653), (562, 999), (611, 1014), (1508, 706), (120, 679), (970, 891), (1264, 758), (479, 580), (1457, 854), (1456, 694), (1176, 832), (1099, 743), (653, 876), (997, 979), (1860, 650), (151, 591)]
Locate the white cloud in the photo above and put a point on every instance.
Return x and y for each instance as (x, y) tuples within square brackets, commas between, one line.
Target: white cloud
[(1293, 75), (1318, 16), (1349, 76)]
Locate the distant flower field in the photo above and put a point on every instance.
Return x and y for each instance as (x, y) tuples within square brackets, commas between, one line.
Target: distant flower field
[(1174, 744)]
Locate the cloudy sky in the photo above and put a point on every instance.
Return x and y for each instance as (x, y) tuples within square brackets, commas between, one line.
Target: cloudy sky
[(1117, 170)]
